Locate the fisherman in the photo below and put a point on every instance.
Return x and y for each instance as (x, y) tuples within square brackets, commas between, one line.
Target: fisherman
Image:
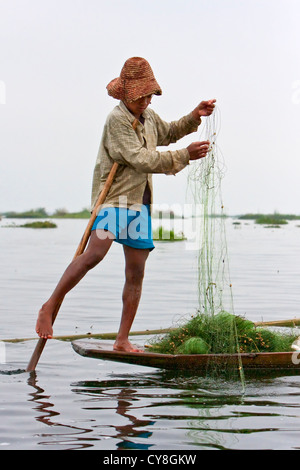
[(131, 134)]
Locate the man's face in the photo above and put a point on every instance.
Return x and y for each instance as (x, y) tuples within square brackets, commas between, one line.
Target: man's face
[(137, 107)]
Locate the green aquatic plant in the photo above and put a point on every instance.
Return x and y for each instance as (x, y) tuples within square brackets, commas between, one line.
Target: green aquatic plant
[(212, 334), (162, 234), (270, 220), (194, 345), (39, 224)]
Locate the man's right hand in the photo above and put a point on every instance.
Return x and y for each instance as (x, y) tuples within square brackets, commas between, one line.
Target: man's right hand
[(198, 150)]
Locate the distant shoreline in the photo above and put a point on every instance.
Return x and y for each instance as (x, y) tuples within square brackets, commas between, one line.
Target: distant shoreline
[(41, 213)]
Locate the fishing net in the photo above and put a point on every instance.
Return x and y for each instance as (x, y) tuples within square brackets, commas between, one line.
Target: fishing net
[(215, 329), (204, 190), (218, 330)]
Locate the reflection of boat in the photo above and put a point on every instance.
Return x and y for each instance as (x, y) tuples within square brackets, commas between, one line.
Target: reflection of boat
[(189, 362)]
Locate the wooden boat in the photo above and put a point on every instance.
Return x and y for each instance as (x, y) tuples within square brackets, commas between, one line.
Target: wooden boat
[(189, 362)]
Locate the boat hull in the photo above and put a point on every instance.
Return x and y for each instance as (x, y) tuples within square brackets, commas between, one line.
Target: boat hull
[(189, 362)]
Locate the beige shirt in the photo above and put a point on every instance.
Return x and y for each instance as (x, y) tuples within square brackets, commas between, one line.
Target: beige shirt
[(135, 152)]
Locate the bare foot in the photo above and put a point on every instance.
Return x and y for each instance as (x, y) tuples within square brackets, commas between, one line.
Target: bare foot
[(126, 346), (44, 323)]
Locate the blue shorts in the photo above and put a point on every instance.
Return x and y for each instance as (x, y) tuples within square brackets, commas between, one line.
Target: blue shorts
[(129, 227)]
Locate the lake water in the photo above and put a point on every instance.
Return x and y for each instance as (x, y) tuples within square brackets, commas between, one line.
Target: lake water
[(71, 402)]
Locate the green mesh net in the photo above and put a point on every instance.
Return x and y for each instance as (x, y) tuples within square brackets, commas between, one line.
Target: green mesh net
[(204, 190), (215, 329)]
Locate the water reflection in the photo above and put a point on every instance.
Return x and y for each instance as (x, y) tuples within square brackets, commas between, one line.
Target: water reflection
[(163, 409), (189, 402), (66, 436), (131, 429), (63, 432), (125, 400)]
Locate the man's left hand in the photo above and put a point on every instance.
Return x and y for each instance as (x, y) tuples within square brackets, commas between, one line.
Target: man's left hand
[(205, 108)]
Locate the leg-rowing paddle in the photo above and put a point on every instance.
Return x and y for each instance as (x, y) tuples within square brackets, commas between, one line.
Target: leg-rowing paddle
[(81, 247)]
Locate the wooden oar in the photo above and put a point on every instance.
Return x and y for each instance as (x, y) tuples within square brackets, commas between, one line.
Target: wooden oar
[(68, 338), (287, 323), (292, 323), (81, 247)]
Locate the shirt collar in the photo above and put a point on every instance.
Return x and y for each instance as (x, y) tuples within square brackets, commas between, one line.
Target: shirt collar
[(129, 114)]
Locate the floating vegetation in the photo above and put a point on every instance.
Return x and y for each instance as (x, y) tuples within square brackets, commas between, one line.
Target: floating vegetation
[(273, 219), (162, 234), (213, 334), (37, 224), (40, 224)]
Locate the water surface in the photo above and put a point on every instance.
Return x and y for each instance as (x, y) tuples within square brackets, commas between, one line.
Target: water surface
[(71, 402)]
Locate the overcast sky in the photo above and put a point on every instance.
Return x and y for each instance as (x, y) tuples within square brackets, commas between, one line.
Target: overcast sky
[(57, 56)]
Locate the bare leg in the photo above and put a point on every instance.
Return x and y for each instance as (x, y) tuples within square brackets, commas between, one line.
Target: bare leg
[(77, 269), (134, 273)]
